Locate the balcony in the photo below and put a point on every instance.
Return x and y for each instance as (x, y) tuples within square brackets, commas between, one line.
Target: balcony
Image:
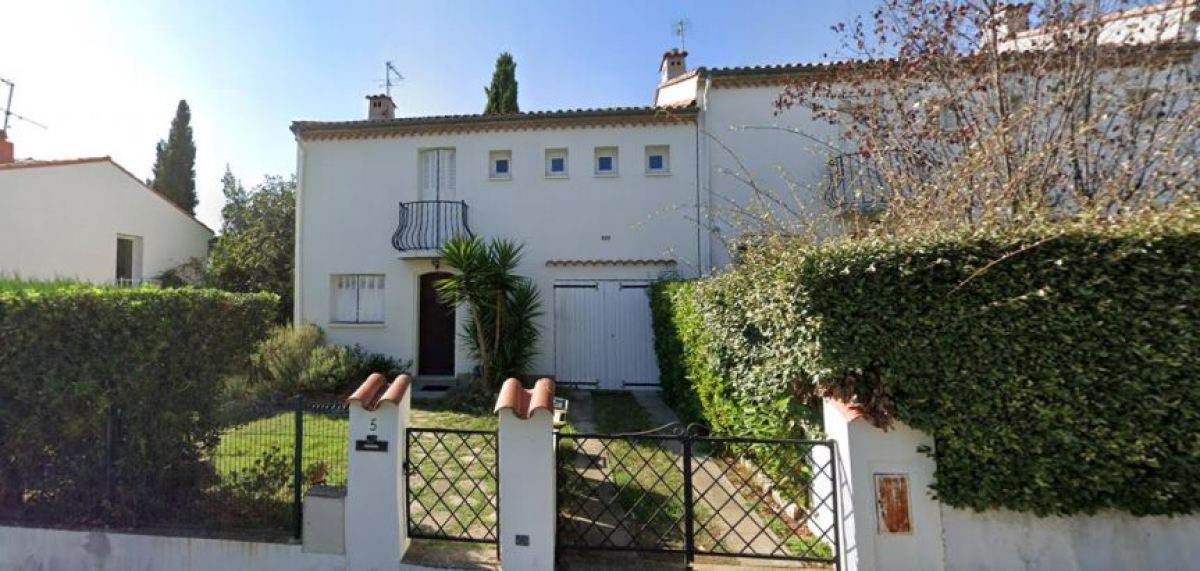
[(427, 224), (855, 184)]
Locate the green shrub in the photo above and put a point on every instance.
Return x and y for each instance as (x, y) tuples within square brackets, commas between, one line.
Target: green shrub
[(297, 360), (110, 396), (1058, 369)]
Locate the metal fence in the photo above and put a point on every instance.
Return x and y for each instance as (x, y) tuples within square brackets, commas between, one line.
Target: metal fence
[(271, 453), (698, 495), (452, 478), (247, 478)]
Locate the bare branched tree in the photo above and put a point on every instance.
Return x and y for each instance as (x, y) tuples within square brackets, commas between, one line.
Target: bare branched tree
[(973, 112)]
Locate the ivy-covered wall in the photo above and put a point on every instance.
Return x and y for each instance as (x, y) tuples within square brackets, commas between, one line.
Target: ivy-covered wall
[(108, 397), (1057, 369)]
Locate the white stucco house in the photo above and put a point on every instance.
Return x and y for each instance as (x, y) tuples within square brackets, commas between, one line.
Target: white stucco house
[(89, 219), (605, 201)]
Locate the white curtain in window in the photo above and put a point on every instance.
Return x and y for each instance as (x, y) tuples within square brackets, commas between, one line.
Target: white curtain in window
[(370, 299), (345, 299)]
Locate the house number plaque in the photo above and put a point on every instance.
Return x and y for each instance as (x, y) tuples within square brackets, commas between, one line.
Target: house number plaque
[(371, 443)]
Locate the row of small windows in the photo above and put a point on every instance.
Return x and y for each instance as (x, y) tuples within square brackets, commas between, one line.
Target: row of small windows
[(605, 162)]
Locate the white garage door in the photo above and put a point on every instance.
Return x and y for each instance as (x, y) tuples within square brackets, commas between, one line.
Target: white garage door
[(602, 334)]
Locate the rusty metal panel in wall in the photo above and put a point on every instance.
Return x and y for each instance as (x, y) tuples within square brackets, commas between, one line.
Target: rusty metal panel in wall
[(891, 497)]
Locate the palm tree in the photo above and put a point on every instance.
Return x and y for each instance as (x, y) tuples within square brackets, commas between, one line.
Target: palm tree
[(503, 306)]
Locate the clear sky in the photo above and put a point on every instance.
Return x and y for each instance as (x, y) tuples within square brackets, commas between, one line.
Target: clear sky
[(106, 77)]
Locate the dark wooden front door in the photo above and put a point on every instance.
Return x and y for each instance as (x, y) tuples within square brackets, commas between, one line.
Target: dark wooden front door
[(436, 341)]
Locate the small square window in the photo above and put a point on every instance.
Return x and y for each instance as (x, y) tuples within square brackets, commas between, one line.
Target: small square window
[(658, 159), (500, 165), (357, 298), (556, 163), (606, 161)]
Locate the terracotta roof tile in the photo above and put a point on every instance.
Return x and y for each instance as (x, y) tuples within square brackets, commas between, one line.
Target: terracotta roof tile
[(524, 402), (372, 393), (506, 121)]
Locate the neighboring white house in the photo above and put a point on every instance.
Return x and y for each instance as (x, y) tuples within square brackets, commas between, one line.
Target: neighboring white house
[(605, 201), (89, 219)]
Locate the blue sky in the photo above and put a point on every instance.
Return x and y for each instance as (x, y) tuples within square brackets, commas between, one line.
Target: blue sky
[(106, 77)]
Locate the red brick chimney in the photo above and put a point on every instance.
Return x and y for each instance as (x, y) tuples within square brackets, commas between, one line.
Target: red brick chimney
[(6, 149)]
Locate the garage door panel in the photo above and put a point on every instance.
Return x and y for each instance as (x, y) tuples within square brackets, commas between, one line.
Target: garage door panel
[(631, 358), (579, 339)]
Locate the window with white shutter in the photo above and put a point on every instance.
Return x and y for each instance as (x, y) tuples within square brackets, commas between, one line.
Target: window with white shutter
[(358, 298)]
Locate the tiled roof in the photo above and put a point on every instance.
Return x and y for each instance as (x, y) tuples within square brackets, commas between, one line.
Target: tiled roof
[(372, 393), (501, 122), (31, 163), (616, 262), (524, 402)]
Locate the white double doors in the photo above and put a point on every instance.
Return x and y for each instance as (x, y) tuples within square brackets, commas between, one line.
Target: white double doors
[(602, 334)]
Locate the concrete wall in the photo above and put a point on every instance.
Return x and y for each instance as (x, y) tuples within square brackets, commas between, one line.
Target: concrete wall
[(866, 452), (63, 221), (30, 549), (350, 193), (1003, 540), (944, 537)]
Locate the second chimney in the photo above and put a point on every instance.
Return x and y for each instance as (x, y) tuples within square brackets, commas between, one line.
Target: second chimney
[(7, 154), (674, 64), (380, 108)]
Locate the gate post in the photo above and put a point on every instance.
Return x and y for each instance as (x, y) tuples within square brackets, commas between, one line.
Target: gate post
[(376, 503), (527, 474)]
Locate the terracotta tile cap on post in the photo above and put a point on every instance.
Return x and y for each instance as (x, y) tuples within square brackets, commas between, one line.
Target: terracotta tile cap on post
[(523, 402), (371, 393), (849, 410)]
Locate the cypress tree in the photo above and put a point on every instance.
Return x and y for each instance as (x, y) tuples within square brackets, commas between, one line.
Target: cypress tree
[(502, 94), (175, 162)]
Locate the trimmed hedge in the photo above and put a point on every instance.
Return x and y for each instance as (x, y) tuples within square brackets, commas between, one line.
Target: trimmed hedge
[(1058, 370), (110, 397)]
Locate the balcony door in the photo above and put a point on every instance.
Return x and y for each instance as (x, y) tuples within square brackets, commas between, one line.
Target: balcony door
[(437, 174)]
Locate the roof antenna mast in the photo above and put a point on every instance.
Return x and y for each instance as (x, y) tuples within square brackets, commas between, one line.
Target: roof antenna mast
[(680, 29), (8, 112), (390, 71)]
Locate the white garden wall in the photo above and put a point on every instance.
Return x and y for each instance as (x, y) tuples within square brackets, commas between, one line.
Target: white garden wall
[(943, 537), (1003, 541), (29, 549)]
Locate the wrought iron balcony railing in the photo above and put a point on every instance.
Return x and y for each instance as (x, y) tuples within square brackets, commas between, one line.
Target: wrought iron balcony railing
[(855, 183), (427, 224)]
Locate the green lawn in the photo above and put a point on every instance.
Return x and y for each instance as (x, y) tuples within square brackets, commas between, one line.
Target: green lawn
[(325, 438)]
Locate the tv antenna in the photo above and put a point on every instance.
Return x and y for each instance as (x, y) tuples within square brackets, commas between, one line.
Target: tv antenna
[(680, 28), (390, 71), (8, 112)]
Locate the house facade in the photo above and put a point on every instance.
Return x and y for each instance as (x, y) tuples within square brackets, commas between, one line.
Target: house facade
[(605, 201), (91, 220)]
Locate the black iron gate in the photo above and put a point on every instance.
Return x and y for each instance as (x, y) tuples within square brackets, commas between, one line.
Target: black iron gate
[(698, 495), (453, 484)]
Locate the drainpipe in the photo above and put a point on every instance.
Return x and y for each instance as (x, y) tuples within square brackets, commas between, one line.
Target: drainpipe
[(701, 224), (298, 261)]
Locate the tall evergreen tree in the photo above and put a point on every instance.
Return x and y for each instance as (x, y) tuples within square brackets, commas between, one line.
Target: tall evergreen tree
[(175, 162), (502, 94)]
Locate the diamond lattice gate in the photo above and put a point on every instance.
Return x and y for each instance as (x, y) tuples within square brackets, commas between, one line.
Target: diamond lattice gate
[(698, 495), (452, 484)]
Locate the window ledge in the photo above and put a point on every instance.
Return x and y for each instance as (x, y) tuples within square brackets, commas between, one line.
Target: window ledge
[(658, 173), (348, 325), (607, 175), (557, 176), (500, 177)]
